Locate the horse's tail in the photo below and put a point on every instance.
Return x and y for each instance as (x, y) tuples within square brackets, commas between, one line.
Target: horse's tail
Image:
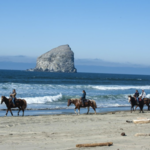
[(94, 103), (24, 106)]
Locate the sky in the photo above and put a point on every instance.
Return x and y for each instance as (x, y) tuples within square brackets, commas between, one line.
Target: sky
[(110, 30)]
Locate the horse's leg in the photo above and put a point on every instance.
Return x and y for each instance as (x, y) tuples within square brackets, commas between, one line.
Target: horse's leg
[(11, 111), (75, 110), (131, 109), (79, 111), (142, 106), (94, 109), (23, 112), (88, 110), (19, 110), (147, 106), (136, 107), (6, 112)]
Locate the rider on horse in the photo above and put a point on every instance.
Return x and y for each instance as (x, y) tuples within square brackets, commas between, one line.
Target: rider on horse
[(143, 95), (13, 96), (83, 97), (136, 96)]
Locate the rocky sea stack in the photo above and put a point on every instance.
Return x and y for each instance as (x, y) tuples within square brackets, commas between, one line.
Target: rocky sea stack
[(59, 59)]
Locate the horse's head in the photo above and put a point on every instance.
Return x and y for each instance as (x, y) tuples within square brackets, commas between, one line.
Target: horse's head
[(129, 98), (69, 102), (2, 99)]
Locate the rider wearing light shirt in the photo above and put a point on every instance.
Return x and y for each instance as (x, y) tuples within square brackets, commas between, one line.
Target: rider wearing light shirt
[(143, 94), (13, 96)]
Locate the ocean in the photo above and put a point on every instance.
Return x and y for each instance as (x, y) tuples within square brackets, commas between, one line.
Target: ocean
[(47, 93)]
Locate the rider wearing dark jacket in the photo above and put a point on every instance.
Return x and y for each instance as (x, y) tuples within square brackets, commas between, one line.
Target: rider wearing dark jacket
[(136, 95), (83, 97)]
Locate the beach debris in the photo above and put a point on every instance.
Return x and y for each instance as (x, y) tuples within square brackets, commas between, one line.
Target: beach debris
[(112, 112), (129, 121), (141, 120), (142, 134), (123, 134), (94, 144)]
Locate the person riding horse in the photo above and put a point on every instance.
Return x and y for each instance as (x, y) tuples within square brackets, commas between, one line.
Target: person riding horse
[(136, 96), (13, 96), (83, 98), (143, 94)]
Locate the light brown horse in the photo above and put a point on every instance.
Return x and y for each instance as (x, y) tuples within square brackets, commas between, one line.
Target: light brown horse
[(78, 104), (20, 103)]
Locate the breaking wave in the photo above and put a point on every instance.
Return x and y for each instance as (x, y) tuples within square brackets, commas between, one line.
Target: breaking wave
[(120, 87), (40, 100)]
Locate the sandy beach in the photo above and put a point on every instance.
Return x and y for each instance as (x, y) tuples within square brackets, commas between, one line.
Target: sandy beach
[(63, 132)]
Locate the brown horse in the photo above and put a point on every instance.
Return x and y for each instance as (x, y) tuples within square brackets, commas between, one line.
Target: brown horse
[(20, 103), (78, 104)]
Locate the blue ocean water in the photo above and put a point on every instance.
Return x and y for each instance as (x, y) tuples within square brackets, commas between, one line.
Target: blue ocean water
[(45, 90)]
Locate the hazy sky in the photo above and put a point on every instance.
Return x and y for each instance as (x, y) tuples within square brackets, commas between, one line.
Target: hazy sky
[(111, 30)]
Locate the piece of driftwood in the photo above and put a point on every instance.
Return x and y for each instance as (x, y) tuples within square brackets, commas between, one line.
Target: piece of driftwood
[(142, 134), (94, 144), (141, 121)]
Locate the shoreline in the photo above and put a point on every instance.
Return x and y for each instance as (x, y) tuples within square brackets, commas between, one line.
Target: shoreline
[(46, 112)]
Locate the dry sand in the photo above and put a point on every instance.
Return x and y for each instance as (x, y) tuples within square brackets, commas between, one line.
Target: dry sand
[(63, 132)]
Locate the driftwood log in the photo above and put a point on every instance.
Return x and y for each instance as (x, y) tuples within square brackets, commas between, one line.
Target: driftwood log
[(142, 121), (94, 144), (142, 134)]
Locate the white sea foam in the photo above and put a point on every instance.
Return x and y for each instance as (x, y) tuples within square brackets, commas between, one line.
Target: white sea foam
[(112, 105), (40, 100), (148, 95), (120, 87), (44, 87)]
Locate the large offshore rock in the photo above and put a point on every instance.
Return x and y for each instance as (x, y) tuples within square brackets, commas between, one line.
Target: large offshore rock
[(60, 59)]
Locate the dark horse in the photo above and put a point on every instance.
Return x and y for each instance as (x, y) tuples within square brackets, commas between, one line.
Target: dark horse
[(78, 104), (20, 103), (141, 103)]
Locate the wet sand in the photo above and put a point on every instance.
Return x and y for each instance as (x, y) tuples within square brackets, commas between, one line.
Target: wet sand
[(63, 132)]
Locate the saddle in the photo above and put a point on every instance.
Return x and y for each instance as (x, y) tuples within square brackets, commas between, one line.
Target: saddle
[(85, 102), (15, 101), (140, 99)]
